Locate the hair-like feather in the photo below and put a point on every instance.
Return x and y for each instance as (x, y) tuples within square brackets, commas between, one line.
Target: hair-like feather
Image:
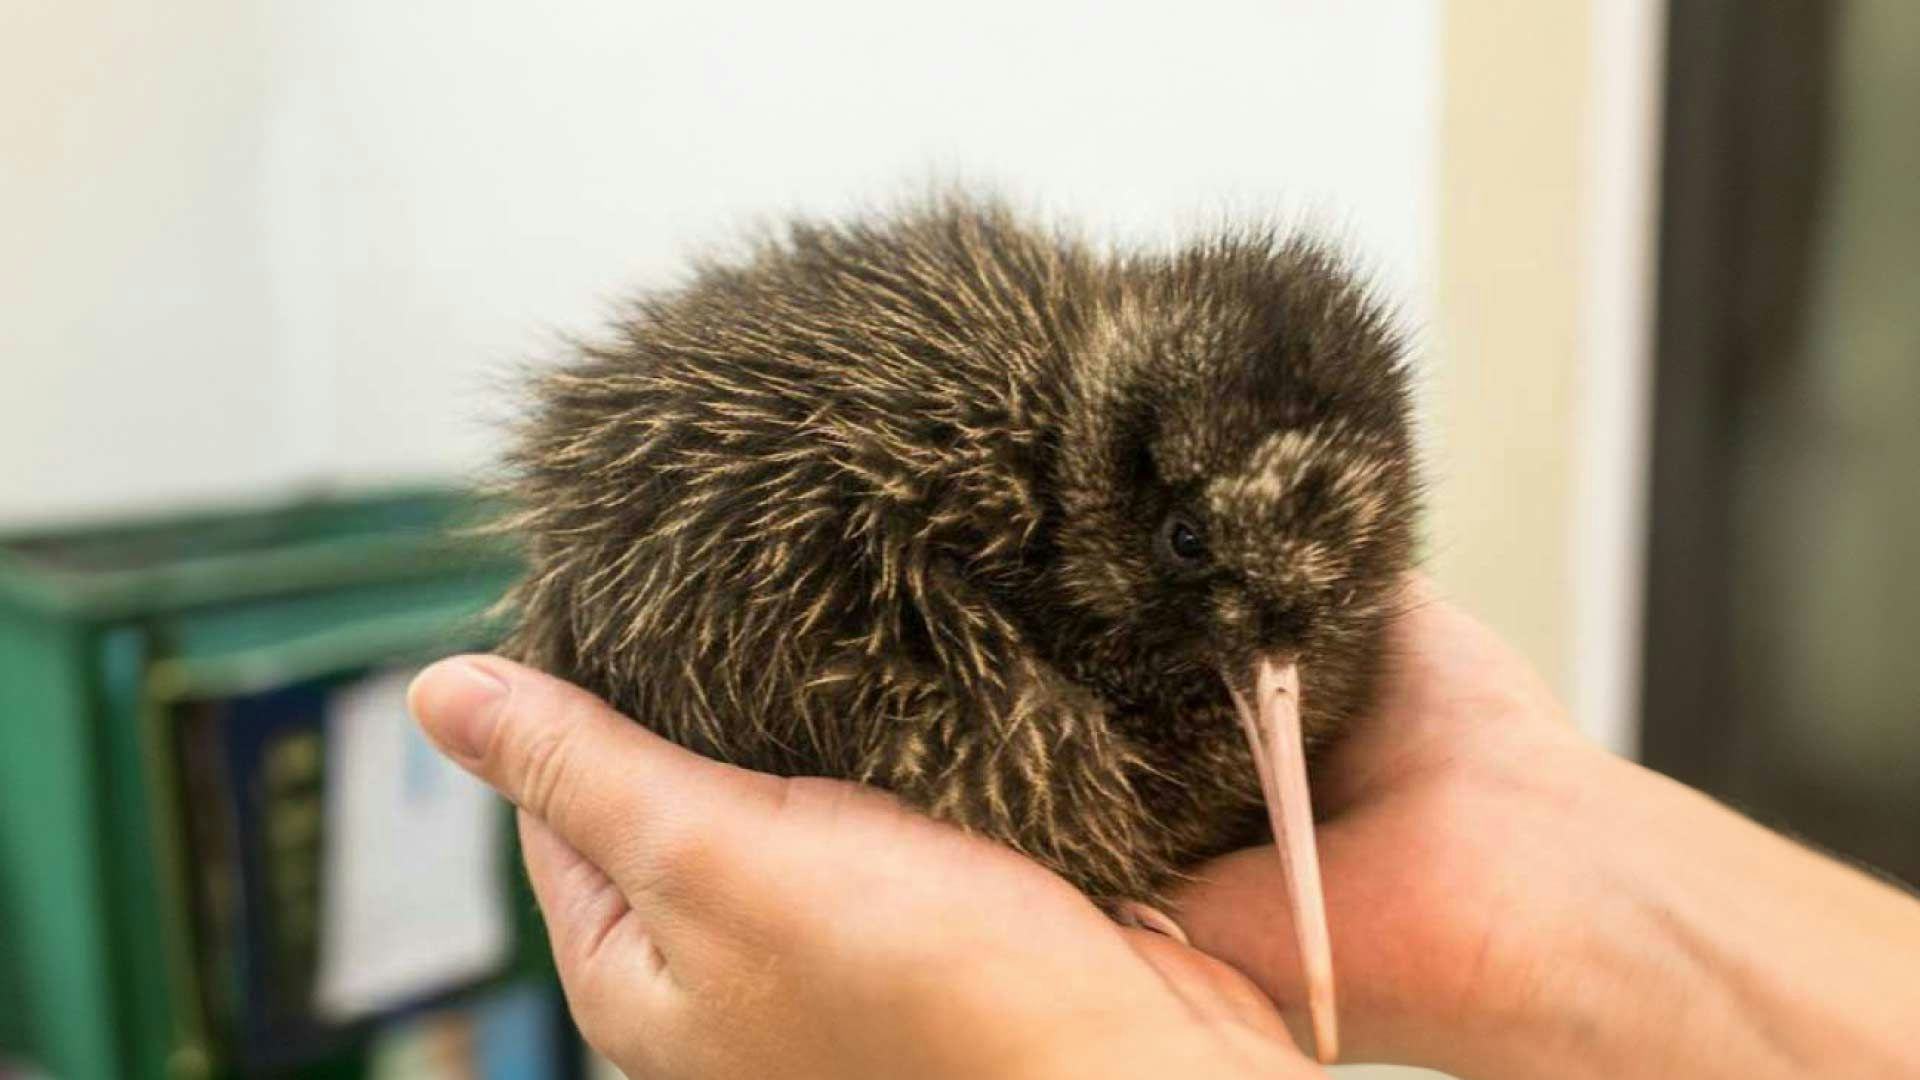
[(889, 500)]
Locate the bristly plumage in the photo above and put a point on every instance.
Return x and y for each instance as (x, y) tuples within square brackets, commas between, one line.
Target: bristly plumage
[(916, 501)]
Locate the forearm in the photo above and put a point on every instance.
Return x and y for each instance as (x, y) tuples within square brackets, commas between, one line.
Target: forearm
[(1696, 943)]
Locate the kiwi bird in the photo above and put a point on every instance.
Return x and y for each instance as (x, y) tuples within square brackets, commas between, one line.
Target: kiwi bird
[(1085, 550)]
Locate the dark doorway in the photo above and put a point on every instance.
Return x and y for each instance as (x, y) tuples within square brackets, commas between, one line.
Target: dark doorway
[(1783, 636)]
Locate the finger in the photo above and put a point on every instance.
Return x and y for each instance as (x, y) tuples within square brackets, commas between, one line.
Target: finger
[(1389, 930), (1438, 654), (1446, 680), (1225, 1002), (581, 905), (1234, 909), (638, 807), (619, 985), (1211, 990)]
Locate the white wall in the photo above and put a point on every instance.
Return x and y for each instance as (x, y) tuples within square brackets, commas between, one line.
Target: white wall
[(275, 244), (134, 328)]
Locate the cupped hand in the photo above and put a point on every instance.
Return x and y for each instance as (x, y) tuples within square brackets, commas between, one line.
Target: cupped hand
[(713, 922), (1449, 822)]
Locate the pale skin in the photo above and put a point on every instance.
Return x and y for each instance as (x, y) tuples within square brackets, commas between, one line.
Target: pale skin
[(1505, 900)]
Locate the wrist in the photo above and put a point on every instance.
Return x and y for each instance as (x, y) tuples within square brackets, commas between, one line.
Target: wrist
[(1594, 971), (1526, 977), (1580, 979), (1678, 938)]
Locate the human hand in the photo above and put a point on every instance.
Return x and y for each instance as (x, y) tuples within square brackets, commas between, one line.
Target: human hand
[(1427, 840), (714, 922), (1508, 900)]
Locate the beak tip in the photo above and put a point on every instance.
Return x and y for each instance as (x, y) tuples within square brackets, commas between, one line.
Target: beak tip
[(1325, 1051), (1325, 1023)]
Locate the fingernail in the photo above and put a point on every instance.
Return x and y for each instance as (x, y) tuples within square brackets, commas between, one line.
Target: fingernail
[(1144, 917), (458, 702)]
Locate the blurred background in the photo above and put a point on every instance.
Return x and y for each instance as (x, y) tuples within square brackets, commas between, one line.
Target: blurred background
[(267, 271)]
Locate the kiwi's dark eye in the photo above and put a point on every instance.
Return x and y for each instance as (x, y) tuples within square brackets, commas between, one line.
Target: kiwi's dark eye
[(1182, 544)]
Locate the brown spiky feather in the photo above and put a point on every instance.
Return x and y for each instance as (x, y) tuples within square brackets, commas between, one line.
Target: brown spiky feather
[(891, 501)]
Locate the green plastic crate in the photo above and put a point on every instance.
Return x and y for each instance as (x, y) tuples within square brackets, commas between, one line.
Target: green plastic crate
[(100, 630)]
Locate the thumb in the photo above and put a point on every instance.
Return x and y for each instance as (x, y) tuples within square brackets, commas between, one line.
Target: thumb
[(640, 808)]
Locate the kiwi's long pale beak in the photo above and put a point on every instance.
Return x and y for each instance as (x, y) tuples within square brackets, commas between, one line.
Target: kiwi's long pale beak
[(1271, 721)]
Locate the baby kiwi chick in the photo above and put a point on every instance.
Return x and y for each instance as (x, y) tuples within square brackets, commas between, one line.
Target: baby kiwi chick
[(1082, 552)]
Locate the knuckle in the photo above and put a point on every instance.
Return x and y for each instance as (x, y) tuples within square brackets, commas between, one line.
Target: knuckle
[(679, 855), (818, 799), (606, 1022), (630, 1025), (543, 770)]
